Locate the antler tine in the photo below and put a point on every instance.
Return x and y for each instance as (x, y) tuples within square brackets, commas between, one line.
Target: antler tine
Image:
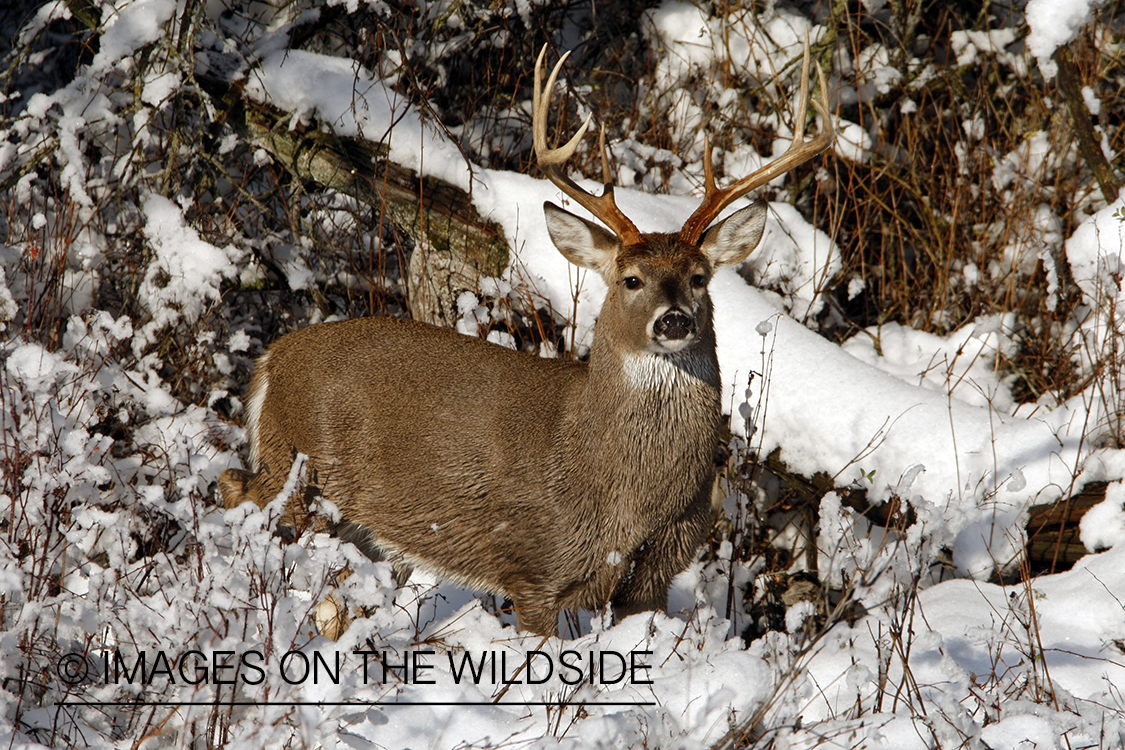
[(603, 206), (799, 151), (544, 155)]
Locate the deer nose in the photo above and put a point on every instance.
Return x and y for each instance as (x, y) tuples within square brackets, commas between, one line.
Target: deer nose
[(673, 325)]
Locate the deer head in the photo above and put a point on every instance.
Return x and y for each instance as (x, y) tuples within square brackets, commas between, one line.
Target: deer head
[(663, 276)]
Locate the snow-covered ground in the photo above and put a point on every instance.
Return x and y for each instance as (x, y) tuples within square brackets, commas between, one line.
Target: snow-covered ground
[(222, 609)]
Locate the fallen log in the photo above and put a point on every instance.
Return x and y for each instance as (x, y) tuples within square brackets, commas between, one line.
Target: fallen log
[(1053, 535), (1053, 542)]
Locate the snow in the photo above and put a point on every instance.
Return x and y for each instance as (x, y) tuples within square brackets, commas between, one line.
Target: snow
[(128, 26), (967, 45), (903, 414), (1096, 253), (343, 94), (187, 272), (966, 637), (826, 417), (1054, 24), (962, 363), (8, 308), (1103, 526), (852, 142)]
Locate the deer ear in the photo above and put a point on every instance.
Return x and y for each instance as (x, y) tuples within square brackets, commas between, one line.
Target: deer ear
[(733, 239), (583, 242)]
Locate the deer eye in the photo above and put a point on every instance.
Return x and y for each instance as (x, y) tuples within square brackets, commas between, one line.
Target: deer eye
[(698, 281), (632, 282)]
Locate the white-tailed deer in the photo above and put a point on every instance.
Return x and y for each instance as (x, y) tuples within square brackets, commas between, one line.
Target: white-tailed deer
[(559, 484)]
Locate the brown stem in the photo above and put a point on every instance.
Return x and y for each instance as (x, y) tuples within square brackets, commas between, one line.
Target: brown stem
[(1088, 142)]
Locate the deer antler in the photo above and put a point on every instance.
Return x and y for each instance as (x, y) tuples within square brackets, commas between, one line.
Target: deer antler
[(603, 206), (799, 151)]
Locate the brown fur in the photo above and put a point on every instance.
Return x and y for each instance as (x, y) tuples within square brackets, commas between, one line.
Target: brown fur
[(559, 484)]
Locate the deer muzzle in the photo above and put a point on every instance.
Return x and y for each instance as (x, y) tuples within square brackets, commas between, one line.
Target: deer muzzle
[(673, 325)]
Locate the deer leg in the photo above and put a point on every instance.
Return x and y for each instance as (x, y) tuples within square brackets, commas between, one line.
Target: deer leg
[(670, 550), (535, 613), (237, 486)]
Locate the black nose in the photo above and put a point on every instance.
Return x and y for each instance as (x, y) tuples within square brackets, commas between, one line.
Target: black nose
[(673, 325)]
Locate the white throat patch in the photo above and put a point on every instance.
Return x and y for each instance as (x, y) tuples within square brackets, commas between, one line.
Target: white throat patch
[(665, 372)]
